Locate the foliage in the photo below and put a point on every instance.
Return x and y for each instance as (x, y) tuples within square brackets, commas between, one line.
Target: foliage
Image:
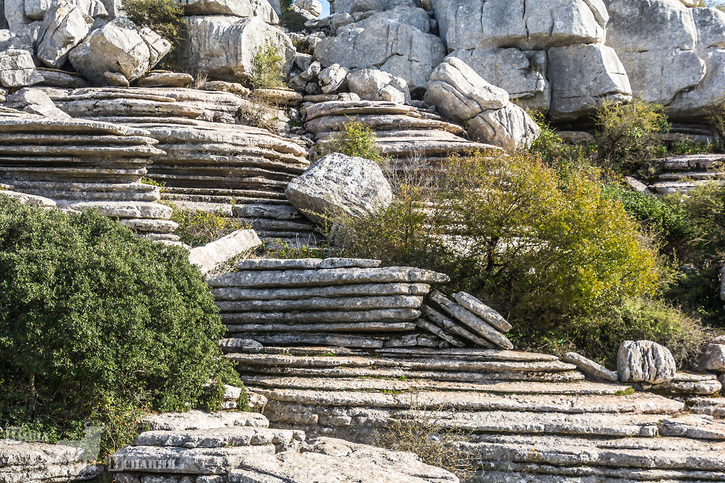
[(96, 322), (354, 139), (665, 216), (550, 249), (282, 249), (627, 134), (258, 113), (199, 227), (698, 286), (552, 149), (166, 18), (267, 68)]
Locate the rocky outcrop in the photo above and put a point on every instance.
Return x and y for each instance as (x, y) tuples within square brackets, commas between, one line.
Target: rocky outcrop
[(210, 256), (386, 41), (713, 356), (685, 172), (458, 93), (27, 462), (249, 451), (237, 8), (645, 361), (409, 137), (518, 45), (338, 185), (82, 165), (591, 368), (376, 85), (224, 46), (675, 58), (210, 163), (17, 69)]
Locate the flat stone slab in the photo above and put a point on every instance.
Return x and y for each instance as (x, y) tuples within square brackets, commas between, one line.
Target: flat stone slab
[(185, 461), (336, 461), (590, 368), (693, 426), (488, 314), (306, 263), (360, 290), (334, 316), (193, 420), (371, 327), (578, 388), (479, 401), (334, 276), (282, 439), (323, 303), (211, 255)]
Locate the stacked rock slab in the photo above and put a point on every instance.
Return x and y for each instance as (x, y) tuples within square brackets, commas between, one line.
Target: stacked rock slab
[(82, 164), (410, 137), (685, 172), (333, 302), (515, 416), (23, 462), (236, 447), (209, 163)]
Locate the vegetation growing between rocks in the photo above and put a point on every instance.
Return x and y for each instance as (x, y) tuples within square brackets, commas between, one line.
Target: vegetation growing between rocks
[(98, 324), (549, 248), (198, 227), (267, 68), (353, 139), (166, 18)]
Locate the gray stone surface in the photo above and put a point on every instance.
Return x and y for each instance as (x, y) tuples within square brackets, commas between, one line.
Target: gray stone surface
[(590, 368), (332, 79), (582, 76), (483, 328), (26, 462), (383, 42), (118, 47), (224, 47), (713, 356), (645, 361), (376, 85), (488, 314), (65, 25), (461, 95), (237, 8), (210, 256), (684, 384), (17, 69), (340, 185), (199, 420)]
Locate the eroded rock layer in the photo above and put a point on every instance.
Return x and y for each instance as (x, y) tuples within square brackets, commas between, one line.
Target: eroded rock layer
[(83, 164)]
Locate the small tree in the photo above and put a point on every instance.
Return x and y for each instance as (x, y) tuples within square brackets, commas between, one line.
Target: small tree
[(353, 139), (267, 68)]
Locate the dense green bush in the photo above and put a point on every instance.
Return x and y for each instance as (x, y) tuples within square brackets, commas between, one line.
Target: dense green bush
[(166, 18), (548, 248), (628, 134), (353, 139), (96, 322)]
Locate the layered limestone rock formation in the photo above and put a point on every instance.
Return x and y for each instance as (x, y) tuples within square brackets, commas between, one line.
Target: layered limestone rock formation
[(83, 164), (238, 447), (410, 137), (684, 172), (209, 161), (516, 416), (24, 462)]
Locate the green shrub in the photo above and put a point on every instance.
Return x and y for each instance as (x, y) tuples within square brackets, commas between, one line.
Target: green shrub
[(354, 139), (166, 18), (267, 68), (628, 134), (198, 228), (96, 322), (552, 149), (549, 249)]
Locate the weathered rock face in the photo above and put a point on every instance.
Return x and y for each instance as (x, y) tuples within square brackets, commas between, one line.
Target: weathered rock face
[(237, 8), (24, 462), (512, 44), (376, 85), (675, 58), (17, 69), (340, 184), (218, 252), (713, 357), (645, 361), (460, 94), (64, 26), (224, 47), (582, 76), (118, 47), (384, 42)]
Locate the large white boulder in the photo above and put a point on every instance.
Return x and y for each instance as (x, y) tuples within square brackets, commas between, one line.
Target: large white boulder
[(529, 24), (338, 184), (376, 85), (65, 25), (379, 41), (582, 76), (239, 8), (461, 95), (224, 47), (645, 361), (118, 47)]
